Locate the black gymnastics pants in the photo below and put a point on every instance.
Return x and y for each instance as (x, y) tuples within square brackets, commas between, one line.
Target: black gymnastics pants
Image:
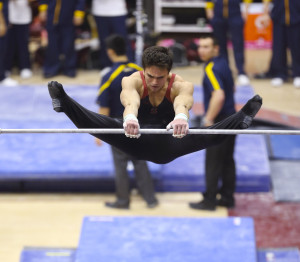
[(158, 148)]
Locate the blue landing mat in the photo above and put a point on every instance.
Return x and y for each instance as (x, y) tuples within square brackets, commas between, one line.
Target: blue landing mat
[(32, 254), (278, 255), (285, 147), (48, 156), (252, 166), (158, 239), (37, 160)]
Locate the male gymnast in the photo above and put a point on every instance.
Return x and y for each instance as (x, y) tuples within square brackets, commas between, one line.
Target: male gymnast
[(153, 98)]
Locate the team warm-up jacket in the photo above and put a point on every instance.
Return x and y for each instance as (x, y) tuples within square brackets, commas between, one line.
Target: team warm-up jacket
[(62, 11), (218, 76), (291, 8), (225, 8)]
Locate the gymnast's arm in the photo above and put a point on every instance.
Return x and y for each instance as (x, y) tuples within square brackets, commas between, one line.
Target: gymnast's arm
[(130, 99), (182, 96)]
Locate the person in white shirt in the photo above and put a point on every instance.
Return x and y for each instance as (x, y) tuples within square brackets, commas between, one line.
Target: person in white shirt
[(110, 17)]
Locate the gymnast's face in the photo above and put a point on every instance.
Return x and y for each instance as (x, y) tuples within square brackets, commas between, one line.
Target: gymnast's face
[(156, 77), (207, 50)]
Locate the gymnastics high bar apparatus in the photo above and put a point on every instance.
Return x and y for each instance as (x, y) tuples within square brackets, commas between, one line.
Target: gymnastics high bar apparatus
[(151, 131)]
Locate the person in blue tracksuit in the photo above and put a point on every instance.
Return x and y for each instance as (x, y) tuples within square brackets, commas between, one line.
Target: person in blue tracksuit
[(285, 15), (3, 29), (218, 88), (4, 81), (226, 17), (110, 17), (61, 17), (20, 17), (110, 105)]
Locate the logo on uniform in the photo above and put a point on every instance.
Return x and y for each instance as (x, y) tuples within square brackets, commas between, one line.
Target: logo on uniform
[(153, 110)]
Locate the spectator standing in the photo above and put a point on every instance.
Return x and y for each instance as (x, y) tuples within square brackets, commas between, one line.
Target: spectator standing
[(4, 80), (286, 33), (110, 17), (61, 17), (20, 17), (218, 88), (226, 17), (110, 105)]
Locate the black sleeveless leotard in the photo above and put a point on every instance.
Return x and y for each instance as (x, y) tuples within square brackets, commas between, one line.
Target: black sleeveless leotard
[(159, 116)]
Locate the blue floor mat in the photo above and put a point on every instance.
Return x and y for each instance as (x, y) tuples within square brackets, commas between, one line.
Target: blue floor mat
[(285, 147), (278, 255), (252, 166), (51, 157), (158, 239), (39, 254)]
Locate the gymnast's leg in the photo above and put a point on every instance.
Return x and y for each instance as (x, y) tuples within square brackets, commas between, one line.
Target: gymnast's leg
[(192, 143), (80, 116), (156, 148), (141, 149)]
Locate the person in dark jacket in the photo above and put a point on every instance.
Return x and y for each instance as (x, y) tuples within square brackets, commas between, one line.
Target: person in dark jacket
[(285, 15), (218, 89), (61, 17), (226, 17)]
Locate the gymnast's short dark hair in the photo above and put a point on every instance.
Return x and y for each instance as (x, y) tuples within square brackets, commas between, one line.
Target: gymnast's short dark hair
[(158, 56)]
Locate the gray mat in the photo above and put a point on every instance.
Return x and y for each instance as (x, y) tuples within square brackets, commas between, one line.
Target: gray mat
[(278, 255), (285, 177)]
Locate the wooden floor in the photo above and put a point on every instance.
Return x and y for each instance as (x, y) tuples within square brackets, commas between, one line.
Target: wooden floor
[(54, 220)]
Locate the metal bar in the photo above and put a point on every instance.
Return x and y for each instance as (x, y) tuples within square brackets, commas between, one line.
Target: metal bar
[(152, 131)]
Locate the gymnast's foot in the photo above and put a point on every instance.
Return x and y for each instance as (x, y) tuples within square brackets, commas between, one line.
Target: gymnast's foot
[(250, 109), (56, 92)]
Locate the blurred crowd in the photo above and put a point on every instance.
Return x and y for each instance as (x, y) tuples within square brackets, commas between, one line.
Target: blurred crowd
[(61, 36)]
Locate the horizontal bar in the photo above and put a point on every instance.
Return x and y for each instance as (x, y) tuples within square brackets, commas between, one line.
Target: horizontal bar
[(152, 131)]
